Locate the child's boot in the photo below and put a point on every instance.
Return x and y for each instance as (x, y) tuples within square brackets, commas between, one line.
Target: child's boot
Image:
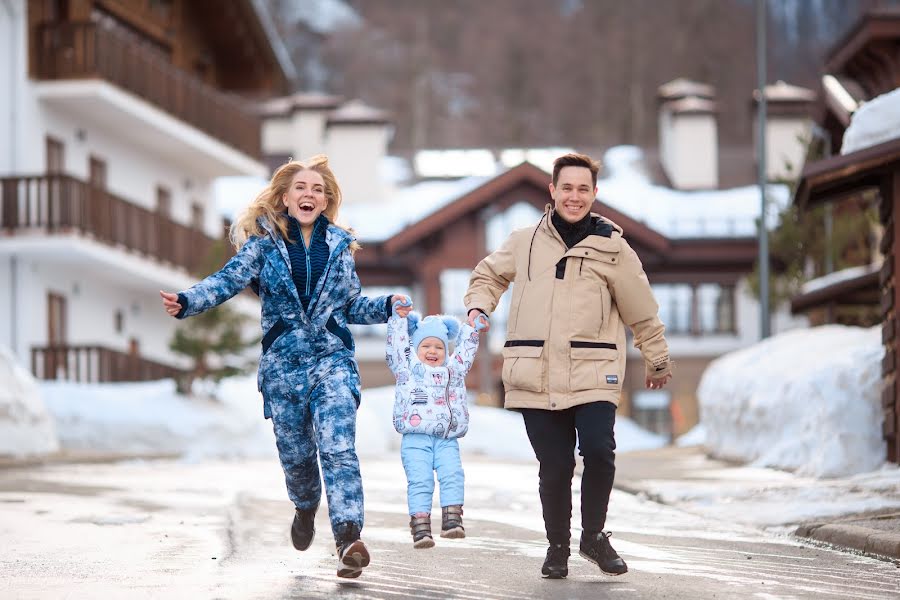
[(420, 528), (451, 522)]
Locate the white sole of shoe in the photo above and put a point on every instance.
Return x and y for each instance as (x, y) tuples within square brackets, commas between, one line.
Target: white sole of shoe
[(354, 560), (425, 542), (591, 560)]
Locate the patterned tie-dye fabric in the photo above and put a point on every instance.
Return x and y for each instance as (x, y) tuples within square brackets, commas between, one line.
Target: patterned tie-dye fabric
[(430, 400), (308, 376)]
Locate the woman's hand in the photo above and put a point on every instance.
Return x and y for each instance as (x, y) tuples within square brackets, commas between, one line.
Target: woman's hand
[(170, 302), (402, 305)]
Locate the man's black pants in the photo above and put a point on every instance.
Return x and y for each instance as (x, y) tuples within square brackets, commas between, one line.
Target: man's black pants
[(552, 434)]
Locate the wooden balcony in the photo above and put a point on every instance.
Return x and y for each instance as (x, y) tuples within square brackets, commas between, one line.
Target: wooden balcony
[(91, 51), (96, 364), (63, 204)]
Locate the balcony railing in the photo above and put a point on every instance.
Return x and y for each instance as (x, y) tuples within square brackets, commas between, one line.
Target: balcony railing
[(96, 364), (60, 204), (89, 50)]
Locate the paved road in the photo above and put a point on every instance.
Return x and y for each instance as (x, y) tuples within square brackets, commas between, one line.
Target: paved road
[(166, 529)]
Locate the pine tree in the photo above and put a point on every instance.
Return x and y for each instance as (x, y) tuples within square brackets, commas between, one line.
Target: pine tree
[(800, 247), (214, 340)]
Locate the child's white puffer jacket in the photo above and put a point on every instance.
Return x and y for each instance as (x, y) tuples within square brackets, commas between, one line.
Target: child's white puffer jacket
[(430, 400)]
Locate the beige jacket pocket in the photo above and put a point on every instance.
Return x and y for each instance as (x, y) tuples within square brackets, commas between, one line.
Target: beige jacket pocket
[(593, 365), (523, 366)]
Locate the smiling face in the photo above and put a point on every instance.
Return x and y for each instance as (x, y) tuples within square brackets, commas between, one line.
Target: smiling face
[(432, 352), (573, 193), (305, 197)]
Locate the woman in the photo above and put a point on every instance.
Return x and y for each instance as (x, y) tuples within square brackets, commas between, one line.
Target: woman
[(301, 264)]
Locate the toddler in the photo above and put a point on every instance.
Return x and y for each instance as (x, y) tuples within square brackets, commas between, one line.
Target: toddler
[(430, 411)]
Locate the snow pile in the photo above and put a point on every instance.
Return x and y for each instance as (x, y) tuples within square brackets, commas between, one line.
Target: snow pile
[(875, 122), (26, 428), (805, 400), (226, 421), (695, 437), (151, 418)]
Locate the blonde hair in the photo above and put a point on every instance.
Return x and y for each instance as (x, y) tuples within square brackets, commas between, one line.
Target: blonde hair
[(268, 202)]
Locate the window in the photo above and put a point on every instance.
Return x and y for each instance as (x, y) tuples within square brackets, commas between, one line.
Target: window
[(650, 410), (197, 216), (55, 156), (707, 308), (97, 172), (119, 320), (57, 333), (674, 306), (163, 202), (500, 225), (716, 308), (454, 283)]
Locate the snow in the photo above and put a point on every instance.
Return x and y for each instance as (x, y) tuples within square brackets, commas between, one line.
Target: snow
[(26, 428), (225, 421), (806, 400), (682, 214), (875, 122), (836, 277), (695, 437), (375, 223)]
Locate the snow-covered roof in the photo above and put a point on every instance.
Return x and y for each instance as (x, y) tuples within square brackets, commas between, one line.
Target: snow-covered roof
[(357, 111), (301, 100), (836, 277), (376, 223), (681, 87), (682, 214), (781, 91), (875, 122)]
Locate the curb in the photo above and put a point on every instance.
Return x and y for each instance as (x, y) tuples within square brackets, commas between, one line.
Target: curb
[(70, 458), (869, 541)]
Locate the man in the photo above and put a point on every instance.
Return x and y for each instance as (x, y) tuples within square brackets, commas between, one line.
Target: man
[(577, 284)]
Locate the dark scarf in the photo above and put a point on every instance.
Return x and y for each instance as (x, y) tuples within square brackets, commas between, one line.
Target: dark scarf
[(572, 233)]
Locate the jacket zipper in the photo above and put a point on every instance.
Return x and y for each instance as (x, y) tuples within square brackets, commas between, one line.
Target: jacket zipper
[(449, 410), (306, 255)]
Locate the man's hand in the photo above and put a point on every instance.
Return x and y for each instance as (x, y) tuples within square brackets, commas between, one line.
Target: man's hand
[(402, 305), (479, 321), (170, 302), (654, 383)]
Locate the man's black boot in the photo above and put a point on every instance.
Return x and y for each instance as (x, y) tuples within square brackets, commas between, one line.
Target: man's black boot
[(303, 529), (597, 549), (556, 565)]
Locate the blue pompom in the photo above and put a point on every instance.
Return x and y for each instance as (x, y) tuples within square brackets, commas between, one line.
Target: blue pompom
[(412, 322), (452, 325)]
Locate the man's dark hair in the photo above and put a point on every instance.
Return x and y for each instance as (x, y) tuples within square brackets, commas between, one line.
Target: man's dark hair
[(576, 160)]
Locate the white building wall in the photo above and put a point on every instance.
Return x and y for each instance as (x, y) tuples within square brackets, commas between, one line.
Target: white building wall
[(92, 302), (17, 148), (131, 173), (355, 153), (277, 136)]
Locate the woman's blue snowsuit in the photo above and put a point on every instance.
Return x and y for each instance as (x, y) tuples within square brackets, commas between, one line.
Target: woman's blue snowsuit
[(308, 376)]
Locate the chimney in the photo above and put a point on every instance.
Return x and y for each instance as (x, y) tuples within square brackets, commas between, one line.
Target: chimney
[(356, 140), (688, 138), (294, 126), (788, 128)]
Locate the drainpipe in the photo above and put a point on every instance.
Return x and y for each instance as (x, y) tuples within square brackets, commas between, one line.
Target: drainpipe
[(14, 82), (13, 308)]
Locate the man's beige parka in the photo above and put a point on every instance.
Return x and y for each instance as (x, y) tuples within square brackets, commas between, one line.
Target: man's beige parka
[(566, 331)]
